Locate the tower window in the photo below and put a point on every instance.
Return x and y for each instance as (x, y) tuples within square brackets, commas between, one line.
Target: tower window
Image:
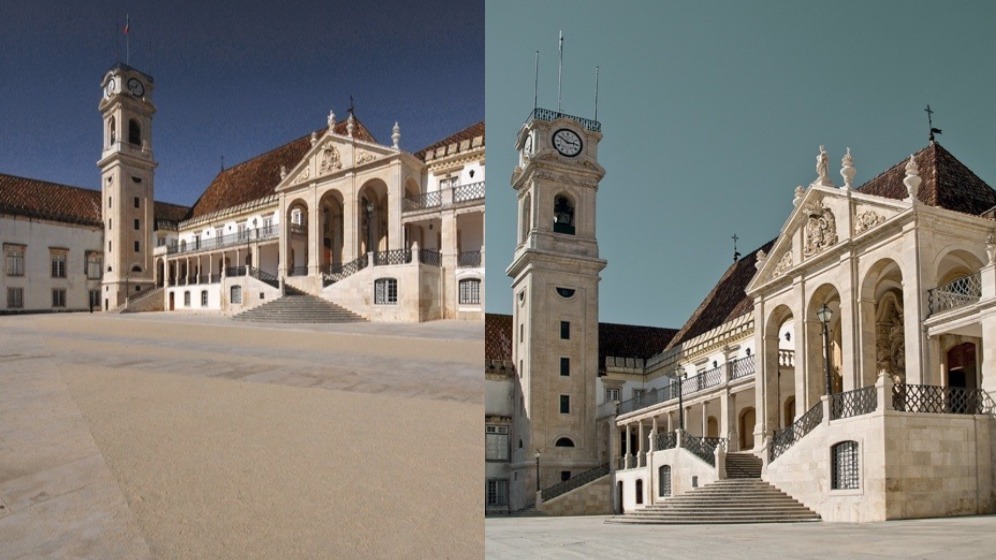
[(564, 442), (137, 223), (134, 132), (565, 367), (138, 202), (565, 404), (113, 131), (565, 330), (137, 246), (563, 215)]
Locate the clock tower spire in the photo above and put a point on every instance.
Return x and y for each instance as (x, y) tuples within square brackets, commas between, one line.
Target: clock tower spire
[(127, 169), (555, 274)]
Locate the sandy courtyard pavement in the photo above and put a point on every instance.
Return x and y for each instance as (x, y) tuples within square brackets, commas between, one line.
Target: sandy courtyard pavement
[(146, 436)]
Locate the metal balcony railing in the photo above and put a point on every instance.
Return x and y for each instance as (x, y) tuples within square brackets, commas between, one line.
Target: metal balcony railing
[(786, 438), (421, 201), (467, 193), (233, 239), (744, 367), (853, 403), (933, 399), (548, 115), (469, 259), (575, 482), (961, 292)]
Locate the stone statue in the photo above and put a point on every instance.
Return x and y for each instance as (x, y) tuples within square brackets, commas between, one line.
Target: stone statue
[(822, 166), (331, 121)]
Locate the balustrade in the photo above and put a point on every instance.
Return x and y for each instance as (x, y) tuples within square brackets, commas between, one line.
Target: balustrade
[(961, 292)]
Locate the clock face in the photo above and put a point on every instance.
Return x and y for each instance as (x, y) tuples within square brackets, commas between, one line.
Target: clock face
[(111, 86), (567, 142), (136, 88)]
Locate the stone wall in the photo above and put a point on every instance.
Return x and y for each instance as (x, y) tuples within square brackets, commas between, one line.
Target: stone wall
[(687, 472), (594, 498)]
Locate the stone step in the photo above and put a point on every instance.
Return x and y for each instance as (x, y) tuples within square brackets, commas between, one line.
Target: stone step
[(299, 308)]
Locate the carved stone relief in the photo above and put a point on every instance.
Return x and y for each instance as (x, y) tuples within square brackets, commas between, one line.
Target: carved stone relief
[(364, 157), (866, 220), (304, 175), (821, 229), (330, 160), (784, 264), (890, 338)]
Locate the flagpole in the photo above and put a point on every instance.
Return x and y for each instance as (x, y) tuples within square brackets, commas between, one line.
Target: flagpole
[(536, 82), (127, 40), (596, 93), (560, 70)]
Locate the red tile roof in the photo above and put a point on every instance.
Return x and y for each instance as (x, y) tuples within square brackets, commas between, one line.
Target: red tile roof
[(469, 133), (258, 177), (629, 341)]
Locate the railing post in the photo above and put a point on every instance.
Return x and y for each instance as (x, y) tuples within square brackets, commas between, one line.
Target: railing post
[(825, 402), (678, 436), (720, 461), (883, 390)]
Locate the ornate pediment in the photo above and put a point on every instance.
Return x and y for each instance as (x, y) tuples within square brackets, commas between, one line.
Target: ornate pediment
[(821, 228)]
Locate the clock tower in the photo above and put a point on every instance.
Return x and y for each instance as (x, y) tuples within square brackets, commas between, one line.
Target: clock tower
[(555, 275), (127, 169)]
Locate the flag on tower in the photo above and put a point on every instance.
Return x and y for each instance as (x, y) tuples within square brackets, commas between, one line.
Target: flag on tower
[(126, 24)]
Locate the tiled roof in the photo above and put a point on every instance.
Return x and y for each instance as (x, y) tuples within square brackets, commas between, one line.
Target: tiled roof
[(64, 203), (946, 182), (469, 133), (727, 300), (258, 177), (49, 201), (628, 341)]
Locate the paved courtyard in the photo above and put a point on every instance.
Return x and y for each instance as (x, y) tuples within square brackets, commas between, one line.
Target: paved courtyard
[(590, 537), (191, 436)]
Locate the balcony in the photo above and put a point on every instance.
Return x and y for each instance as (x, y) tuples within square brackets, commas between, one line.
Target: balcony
[(548, 115), (736, 369), (231, 240), (963, 291), (444, 198), (469, 259)]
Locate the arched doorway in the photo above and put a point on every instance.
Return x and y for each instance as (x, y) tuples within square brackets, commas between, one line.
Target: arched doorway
[(745, 427), (789, 415), (712, 427)]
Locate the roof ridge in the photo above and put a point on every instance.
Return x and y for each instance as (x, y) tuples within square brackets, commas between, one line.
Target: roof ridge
[(50, 182)]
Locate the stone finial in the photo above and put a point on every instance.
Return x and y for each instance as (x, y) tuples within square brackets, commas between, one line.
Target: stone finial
[(822, 169), (350, 125), (331, 121), (761, 257), (799, 193), (283, 172), (314, 138), (912, 179), (847, 170), (395, 135)]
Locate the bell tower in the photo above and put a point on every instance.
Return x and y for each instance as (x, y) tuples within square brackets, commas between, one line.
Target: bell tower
[(127, 169), (555, 275)]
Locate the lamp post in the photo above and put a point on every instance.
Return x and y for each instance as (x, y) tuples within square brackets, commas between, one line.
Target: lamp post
[(825, 314), (370, 231), (537, 455)]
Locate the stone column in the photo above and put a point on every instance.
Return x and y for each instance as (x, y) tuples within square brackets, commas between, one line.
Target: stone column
[(314, 243), (626, 447), (705, 419), (641, 441), (395, 195), (613, 444), (724, 413)]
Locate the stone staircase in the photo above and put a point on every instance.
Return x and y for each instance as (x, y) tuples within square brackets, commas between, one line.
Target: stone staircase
[(299, 308), (741, 498)]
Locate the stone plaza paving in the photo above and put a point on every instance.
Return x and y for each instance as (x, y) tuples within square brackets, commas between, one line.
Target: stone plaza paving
[(520, 538), (190, 436)]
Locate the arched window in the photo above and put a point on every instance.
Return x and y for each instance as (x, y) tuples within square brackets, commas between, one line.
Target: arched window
[(134, 132), (844, 474), (563, 215), (664, 480), (385, 291), (565, 442), (112, 131), (470, 291), (526, 216), (639, 491), (136, 268)]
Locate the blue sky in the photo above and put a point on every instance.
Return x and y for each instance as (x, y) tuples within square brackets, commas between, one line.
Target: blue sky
[(233, 80), (712, 113)]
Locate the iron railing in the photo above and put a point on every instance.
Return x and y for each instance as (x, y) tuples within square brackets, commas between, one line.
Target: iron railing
[(933, 399), (264, 277), (786, 438), (467, 193), (298, 229), (702, 447), (744, 367), (421, 201), (575, 482), (336, 272), (469, 259), (666, 440), (394, 256), (853, 403), (232, 239), (298, 271), (962, 291), (235, 271), (548, 115), (430, 257)]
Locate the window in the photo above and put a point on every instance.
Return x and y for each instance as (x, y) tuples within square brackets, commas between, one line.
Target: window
[(236, 296), (497, 492), (137, 246), (58, 298), (470, 291), (138, 201), (565, 330), (58, 264), (563, 215), (267, 225), (186, 299), (565, 442), (134, 132), (638, 395), (611, 395), (204, 298), (522, 332), (565, 404), (15, 260), (844, 466), (108, 247), (565, 367), (496, 443), (15, 298), (136, 268), (664, 480), (565, 292), (385, 291), (93, 265), (137, 222), (109, 199), (241, 231)]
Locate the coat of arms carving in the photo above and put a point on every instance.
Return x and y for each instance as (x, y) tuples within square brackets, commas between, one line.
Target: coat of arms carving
[(821, 229)]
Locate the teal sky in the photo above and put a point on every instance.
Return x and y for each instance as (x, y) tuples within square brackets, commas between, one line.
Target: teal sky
[(712, 113)]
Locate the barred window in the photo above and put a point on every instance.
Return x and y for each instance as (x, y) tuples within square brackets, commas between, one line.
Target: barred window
[(497, 492), (664, 480), (470, 291), (58, 298), (495, 442), (236, 294), (844, 466), (58, 264), (15, 260), (15, 298), (385, 291)]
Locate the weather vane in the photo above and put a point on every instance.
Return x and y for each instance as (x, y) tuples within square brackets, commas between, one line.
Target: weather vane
[(930, 123), (736, 254)]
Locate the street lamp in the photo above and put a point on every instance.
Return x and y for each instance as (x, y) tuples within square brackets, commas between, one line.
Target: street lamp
[(537, 455), (825, 314)]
